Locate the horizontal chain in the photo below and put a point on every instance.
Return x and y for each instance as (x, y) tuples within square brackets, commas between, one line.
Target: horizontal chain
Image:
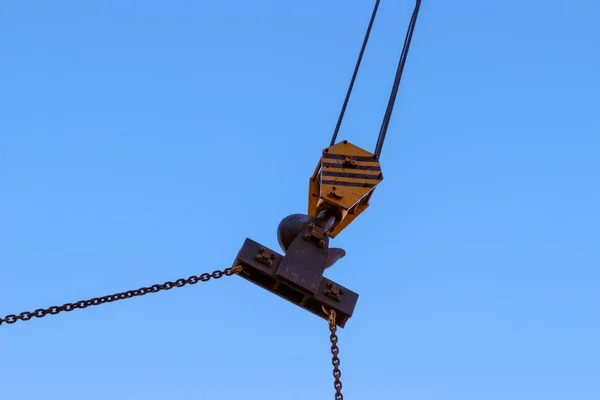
[(192, 280)]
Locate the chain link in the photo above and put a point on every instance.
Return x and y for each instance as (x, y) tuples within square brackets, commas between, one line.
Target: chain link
[(335, 361), (192, 280)]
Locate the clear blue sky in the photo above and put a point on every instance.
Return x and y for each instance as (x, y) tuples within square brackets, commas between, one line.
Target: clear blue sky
[(143, 141)]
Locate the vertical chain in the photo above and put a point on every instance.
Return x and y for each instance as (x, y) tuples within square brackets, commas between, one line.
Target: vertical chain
[(335, 361)]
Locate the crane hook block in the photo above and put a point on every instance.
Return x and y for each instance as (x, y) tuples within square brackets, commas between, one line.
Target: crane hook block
[(343, 183), (297, 276)]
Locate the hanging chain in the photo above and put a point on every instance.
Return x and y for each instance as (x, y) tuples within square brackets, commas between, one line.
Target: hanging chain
[(192, 280), (335, 361)]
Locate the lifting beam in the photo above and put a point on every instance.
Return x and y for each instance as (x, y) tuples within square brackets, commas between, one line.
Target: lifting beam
[(297, 276)]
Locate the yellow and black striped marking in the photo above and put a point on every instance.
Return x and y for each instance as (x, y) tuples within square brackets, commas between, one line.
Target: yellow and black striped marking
[(343, 181), (348, 174)]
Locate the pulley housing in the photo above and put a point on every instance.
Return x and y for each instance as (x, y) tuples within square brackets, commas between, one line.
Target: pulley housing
[(343, 183)]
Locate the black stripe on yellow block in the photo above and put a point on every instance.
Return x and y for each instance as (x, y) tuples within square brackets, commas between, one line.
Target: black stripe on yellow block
[(354, 184), (343, 157), (363, 167), (349, 175)]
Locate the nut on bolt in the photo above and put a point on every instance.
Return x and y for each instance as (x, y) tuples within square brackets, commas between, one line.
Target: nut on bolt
[(350, 161), (265, 256), (336, 193), (333, 291)]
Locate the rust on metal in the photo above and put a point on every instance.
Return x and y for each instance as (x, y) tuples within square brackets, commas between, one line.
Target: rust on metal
[(350, 162), (297, 276), (265, 256), (334, 291), (336, 193)]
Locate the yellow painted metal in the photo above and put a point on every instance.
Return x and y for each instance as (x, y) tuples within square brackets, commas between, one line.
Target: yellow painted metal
[(343, 182)]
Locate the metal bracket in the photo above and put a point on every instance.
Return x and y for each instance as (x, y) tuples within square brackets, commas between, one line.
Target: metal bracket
[(298, 276), (305, 259)]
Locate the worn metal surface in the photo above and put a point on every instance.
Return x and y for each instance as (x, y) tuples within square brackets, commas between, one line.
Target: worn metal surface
[(327, 219), (265, 275), (42, 312), (291, 226), (304, 261)]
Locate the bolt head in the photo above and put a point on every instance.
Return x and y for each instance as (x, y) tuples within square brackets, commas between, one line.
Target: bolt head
[(266, 254), (336, 193)]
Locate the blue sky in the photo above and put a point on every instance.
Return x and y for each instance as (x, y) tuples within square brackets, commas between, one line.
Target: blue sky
[(143, 141)]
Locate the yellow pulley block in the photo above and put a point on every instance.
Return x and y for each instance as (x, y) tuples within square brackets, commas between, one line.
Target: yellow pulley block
[(343, 183)]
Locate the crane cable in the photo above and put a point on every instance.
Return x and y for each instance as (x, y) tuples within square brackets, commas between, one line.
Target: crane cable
[(398, 77), (356, 67), (390, 107)]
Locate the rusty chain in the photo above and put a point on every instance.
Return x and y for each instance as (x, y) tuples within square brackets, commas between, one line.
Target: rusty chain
[(335, 361), (192, 280)]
